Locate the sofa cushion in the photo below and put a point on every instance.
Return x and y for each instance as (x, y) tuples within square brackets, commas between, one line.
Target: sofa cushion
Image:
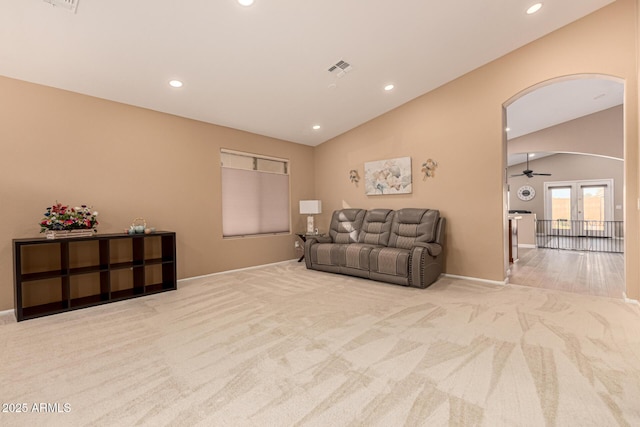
[(325, 253), (391, 261), (412, 226), (345, 225), (355, 255), (376, 227)]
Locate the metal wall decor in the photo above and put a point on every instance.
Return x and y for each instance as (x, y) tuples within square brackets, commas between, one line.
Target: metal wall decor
[(429, 169)]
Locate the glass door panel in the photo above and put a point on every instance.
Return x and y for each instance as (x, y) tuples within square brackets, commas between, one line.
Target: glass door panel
[(561, 209), (592, 210)]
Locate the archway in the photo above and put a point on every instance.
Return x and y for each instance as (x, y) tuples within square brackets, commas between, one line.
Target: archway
[(574, 127)]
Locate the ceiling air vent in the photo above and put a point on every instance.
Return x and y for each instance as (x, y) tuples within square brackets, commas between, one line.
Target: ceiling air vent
[(70, 5), (340, 68)]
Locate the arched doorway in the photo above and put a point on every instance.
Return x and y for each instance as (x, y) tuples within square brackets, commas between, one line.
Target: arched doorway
[(565, 151)]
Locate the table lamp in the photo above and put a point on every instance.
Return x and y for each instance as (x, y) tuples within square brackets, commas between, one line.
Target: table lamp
[(310, 207)]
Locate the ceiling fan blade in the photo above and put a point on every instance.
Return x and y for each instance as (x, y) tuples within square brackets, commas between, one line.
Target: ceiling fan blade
[(528, 172)]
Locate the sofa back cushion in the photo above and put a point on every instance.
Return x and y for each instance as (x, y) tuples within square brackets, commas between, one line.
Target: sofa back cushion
[(413, 225), (376, 227), (345, 225)]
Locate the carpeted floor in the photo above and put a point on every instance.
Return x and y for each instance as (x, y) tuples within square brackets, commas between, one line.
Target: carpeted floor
[(283, 346)]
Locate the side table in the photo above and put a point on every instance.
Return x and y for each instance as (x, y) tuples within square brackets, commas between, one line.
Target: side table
[(303, 237)]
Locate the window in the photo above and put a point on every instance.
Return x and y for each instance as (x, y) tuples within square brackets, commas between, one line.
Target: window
[(560, 201), (593, 202), (255, 194)]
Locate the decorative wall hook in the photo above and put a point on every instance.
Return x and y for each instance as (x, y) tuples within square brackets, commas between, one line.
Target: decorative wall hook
[(353, 176), (429, 169)]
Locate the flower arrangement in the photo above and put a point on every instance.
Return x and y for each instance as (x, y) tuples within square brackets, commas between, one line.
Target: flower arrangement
[(61, 217)]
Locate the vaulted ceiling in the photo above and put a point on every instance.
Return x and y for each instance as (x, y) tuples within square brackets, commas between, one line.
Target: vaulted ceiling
[(265, 68)]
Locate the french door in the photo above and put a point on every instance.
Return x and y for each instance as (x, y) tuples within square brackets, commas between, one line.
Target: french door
[(579, 208)]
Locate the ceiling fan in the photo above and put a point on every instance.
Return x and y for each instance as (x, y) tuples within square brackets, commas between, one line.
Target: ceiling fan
[(529, 173)]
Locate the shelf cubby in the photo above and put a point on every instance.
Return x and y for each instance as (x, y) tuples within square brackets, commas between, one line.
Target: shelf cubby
[(42, 292), (53, 276)]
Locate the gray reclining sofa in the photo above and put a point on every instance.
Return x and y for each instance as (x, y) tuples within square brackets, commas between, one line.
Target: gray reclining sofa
[(402, 247)]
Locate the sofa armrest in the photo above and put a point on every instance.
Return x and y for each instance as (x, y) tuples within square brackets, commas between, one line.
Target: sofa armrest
[(320, 239), (313, 240), (425, 264), (433, 249)]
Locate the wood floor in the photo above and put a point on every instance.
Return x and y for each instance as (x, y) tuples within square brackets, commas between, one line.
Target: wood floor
[(587, 273)]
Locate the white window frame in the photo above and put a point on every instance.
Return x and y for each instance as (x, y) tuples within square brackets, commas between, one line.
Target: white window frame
[(576, 199)]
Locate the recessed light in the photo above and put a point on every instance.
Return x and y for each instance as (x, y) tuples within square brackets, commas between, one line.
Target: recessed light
[(316, 127), (245, 2), (175, 83), (532, 154), (507, 129), (389, 87), (533, 9)]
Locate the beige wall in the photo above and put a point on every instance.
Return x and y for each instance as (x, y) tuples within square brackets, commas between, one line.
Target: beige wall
[(599, 133), (461, 126), (129, 162), (566, 167)]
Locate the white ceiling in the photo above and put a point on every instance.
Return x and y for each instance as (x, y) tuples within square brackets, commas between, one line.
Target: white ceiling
[(521, 158), (263, 68), (557, 103)]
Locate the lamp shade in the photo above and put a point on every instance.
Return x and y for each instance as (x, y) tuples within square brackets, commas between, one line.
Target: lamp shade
[(310, 207)]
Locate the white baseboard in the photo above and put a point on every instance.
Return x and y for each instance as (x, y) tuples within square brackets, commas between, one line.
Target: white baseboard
[(526, 245), (10, 311), (453, 276), (253, 267), (475, 279)]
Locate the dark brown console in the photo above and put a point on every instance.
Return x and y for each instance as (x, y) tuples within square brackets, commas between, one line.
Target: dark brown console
[(54, 276)]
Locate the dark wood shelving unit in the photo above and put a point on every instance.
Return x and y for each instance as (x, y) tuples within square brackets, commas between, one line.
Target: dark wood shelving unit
[(54, 276)]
